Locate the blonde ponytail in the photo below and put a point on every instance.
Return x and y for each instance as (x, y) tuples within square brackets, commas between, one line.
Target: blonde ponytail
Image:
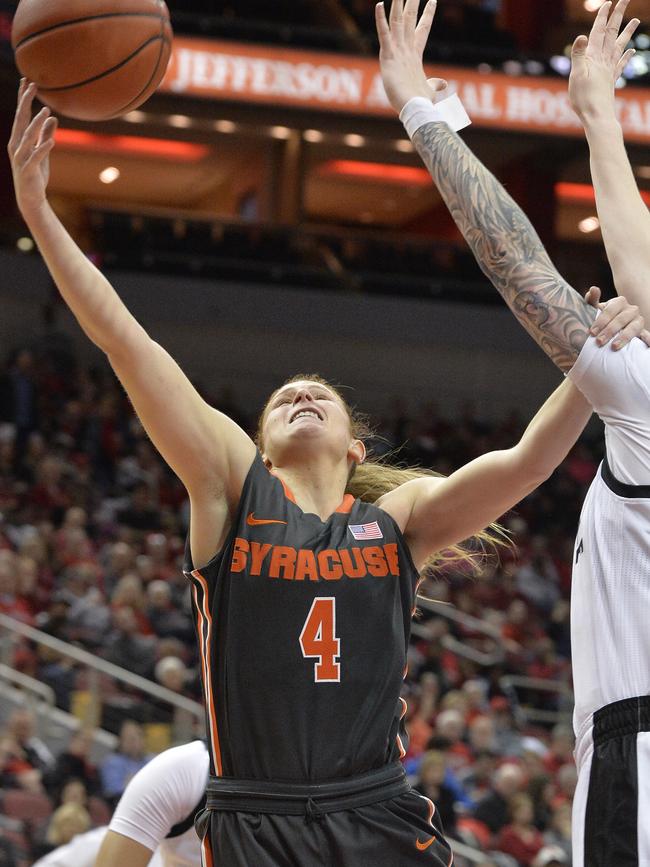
[(374, 478)]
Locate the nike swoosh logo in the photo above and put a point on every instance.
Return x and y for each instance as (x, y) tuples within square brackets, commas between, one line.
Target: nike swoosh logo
[(252, 521), (423, 846)]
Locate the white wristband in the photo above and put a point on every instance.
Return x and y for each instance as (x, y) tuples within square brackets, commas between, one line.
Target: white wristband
[(419, 111)]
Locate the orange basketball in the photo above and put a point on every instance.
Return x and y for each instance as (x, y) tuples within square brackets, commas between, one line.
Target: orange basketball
[(92, 59)]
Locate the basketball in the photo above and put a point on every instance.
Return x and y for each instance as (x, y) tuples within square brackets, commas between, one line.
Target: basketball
[(92, 59)]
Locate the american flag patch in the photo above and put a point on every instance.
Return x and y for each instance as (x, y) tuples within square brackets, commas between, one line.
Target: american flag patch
[(366, 531)]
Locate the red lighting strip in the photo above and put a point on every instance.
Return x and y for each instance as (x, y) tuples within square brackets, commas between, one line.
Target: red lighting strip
[(384, 173), (164, 149), (584, 193)]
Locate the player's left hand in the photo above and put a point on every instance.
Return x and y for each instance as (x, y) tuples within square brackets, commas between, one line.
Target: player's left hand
[(401, 48), (618, 323), (598, 61)]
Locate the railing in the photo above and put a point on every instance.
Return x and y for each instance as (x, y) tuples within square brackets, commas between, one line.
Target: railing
[(34, 688), (188, 715), (472, 624), (524, 713)]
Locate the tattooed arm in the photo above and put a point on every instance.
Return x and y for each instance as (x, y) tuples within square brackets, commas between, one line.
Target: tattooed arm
[(506, 246), (502, 239)]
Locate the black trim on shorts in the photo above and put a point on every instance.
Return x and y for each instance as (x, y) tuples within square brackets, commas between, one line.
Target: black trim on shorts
[(307, 799), (611, 820), (631, 491)]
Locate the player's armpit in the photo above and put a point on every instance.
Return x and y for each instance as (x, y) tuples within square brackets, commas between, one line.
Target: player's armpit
[(506, 246), (435, 514), (119, 851)]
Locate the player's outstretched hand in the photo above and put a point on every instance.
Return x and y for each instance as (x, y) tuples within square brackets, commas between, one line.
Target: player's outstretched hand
[(618, 323), (599, 60), (401, 48), (29, 148)]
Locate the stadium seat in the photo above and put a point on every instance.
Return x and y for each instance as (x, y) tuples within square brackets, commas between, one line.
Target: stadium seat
[(27, 806)]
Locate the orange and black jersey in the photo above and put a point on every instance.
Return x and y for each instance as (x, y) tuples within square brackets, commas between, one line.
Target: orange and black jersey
[(303, 629)]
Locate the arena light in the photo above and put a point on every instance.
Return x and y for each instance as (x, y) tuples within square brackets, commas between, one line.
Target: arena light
[(227, 126), (136, 117), (313, 135), (180, 121), (280, 132), (593, 5), (179, 151), (109, 175), (642, 171), (353, 140), (561, 64), (25, 245), (383, 173), (404, 145), (589, 225)]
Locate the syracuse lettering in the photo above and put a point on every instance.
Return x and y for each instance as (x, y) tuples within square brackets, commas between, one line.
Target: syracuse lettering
[(281, 561)]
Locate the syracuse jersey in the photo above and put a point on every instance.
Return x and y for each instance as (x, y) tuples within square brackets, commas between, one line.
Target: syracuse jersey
[(303, 629)]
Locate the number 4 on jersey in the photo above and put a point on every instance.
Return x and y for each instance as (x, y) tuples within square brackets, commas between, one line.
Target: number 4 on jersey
[(318, 639)]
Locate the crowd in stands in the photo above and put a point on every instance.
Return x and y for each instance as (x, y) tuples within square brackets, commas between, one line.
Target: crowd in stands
[(92, 528), (344, 25)]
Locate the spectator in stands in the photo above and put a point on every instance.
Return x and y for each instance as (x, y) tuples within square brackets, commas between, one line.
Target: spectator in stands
[(67, 821), (481, 735), (54, 620), (520, 838), (476, 777), (74, 764), (21, 728), (551, 856), (508, 739), (89, 617), (126, 647), (451, 726), (431, 784), (493, 809), (118, 767), (166, 619), (73, 792), (15, 771), (117, 559), (129, 593), (561, 748), (140, 514), (567, 779), (558, 834), (171, 673)]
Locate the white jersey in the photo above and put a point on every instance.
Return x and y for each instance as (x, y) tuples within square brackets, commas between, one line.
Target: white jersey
[(610, 596), (161, 796), (81, 851)]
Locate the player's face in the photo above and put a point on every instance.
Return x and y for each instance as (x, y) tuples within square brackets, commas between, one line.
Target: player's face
[(305, 413)]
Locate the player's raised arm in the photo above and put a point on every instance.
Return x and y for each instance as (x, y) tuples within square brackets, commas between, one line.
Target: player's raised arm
[(598, 61), (505, 245), (207, 450), (436, 513)]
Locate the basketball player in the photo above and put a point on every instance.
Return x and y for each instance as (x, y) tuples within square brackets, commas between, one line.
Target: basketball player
[(610, 602), (153, 823), (302, 594)]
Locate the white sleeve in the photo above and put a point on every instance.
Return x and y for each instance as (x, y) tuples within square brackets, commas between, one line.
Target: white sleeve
[(162, 794), (81, 851), (617, 384)]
